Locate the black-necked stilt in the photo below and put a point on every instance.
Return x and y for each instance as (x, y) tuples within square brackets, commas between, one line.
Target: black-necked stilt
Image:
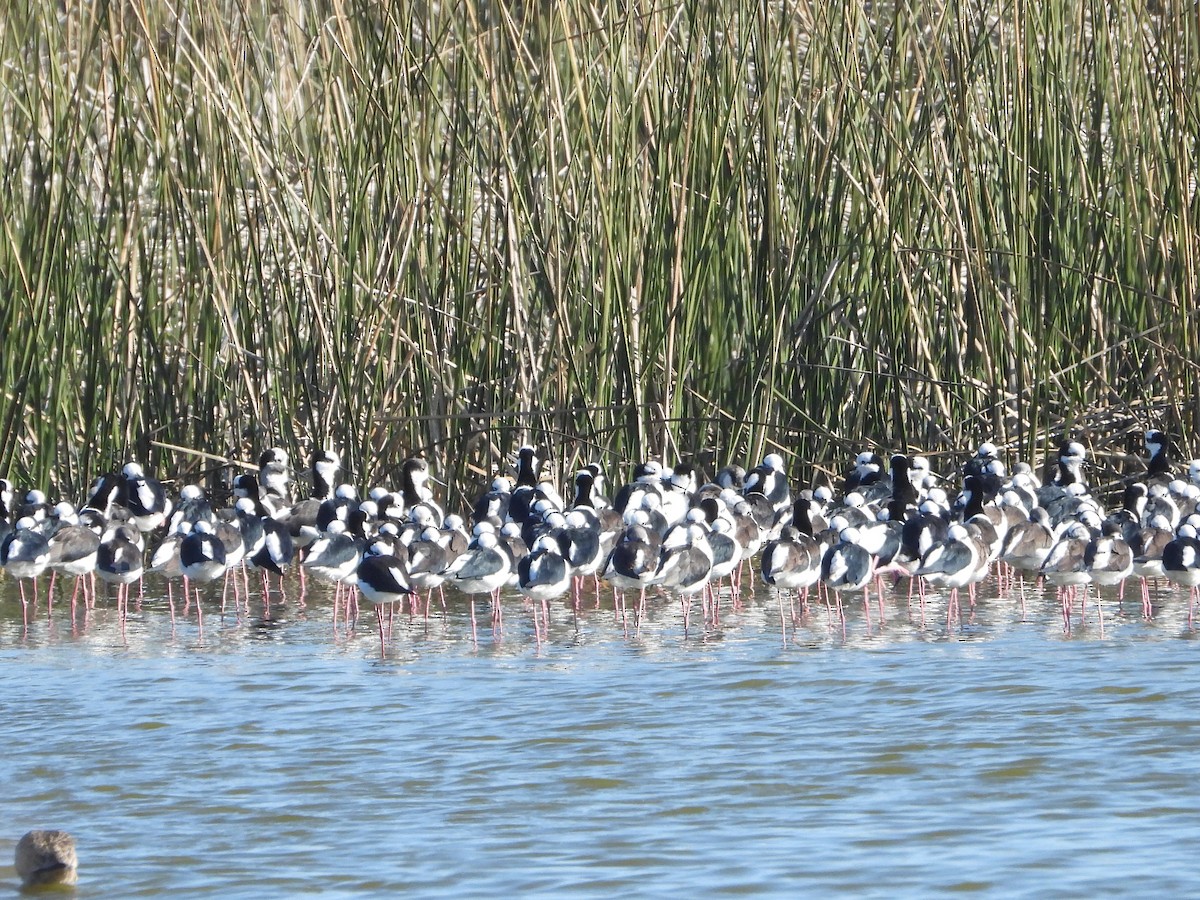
[(484, 568), (881, 539), (275, 477), (921, 475), (454, 537), (1158, 448), (678, 490), (164, 558), (685, 562), (104, 496), (853, 511), (35, 506), (769, 479), (427, 562), (1181, 563), (493, 506), (792, 562), (731, 477), (268, 543), (382, 580), (1027, 544), (25, 553), (600, 484), (387, 503), (1066, 566), (848, 567), (510, 539), (1130, 516), (246, 487), (1193, 472), (119, 560), (145, 498), (1160, 502), (749, 534), (73, 551), (904, 497), (1147, 545), (1066, 505), (1024, 484), (301, 517), (647, 479), (1072, 457), (229, 533), (388, 541), (520, 505), (543, 516), (193, 507), (1186, 496), (685, 559), (867, 469), (414, 487), (528, 466), (1110, 559), (634, 558), (988, 470), (759, 508), (586, 546), (324, 470), (596, 510), (727, 553), (274, 553), (201, 556), (389, 545), (8, 499), (983, 462), (338, 507), (961, 560), (587, 491), (988, 533), (545, 572), (335, 555), (921, 532)]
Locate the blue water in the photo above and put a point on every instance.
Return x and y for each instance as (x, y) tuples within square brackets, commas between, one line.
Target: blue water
[(274, 753)]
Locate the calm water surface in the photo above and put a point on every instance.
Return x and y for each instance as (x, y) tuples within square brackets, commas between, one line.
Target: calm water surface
[(273, 752)]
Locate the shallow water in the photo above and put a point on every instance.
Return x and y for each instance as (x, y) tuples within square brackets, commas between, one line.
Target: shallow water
[(273, 752)]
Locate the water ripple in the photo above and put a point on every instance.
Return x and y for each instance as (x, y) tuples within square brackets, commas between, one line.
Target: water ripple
[(245, 756)]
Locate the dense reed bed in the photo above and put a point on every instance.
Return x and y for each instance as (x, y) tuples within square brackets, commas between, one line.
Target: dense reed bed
[(719, 227)]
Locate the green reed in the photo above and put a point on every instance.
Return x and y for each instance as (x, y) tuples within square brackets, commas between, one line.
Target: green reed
[(710, 228)]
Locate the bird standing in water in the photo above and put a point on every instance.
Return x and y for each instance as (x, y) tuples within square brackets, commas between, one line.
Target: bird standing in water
[(382, 580)]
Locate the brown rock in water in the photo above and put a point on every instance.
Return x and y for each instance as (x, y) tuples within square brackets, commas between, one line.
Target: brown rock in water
[(46, 857)]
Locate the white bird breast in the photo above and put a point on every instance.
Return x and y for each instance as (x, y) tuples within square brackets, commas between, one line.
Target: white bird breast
[(145, 495), (838, 566)]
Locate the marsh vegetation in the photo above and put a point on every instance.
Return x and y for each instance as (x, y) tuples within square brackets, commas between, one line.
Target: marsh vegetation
[(721, 227)]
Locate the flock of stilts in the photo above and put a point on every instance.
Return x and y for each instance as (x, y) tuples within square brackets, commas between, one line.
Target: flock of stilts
[(669, 529)]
